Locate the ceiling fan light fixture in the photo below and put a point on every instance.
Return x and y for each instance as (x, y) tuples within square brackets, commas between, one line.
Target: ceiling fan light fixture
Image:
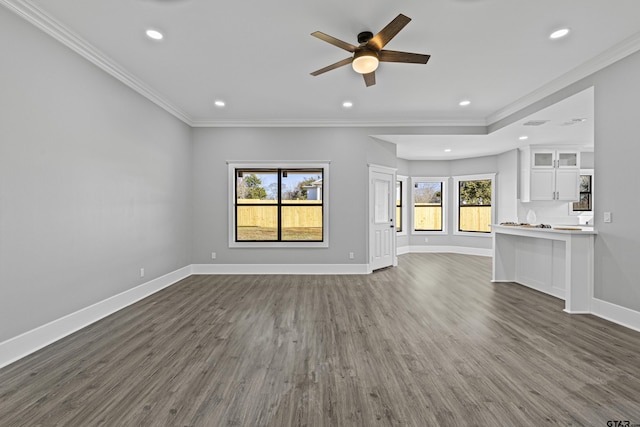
[(365, 62)]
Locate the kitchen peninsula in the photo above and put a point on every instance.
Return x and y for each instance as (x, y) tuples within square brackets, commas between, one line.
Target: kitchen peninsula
[(557, 261)]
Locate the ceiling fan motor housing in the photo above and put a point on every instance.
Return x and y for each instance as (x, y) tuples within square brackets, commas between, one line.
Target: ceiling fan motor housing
[(364, 37)]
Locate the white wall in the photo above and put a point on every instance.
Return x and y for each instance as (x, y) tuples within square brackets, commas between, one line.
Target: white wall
[(94, 183)]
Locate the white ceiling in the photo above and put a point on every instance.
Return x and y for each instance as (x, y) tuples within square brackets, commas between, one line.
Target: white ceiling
[(257, 57), (568, 122)]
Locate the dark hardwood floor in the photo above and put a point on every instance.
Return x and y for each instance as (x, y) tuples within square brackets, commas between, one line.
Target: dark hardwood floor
[(431, 342)]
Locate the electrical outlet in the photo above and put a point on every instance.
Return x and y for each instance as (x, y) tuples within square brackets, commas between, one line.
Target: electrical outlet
[(351, 255), (213, 255), (607, 217), (426, 240), (142, 272)]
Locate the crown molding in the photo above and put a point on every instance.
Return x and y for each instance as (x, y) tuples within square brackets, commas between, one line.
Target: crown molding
[(615, 53), (40, 19), (336, 123)]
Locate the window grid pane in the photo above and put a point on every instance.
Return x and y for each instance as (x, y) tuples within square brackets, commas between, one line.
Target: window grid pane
[(399, 206), (427, 211), (584, 203), (474, 206), (279, 205), (301, 223)]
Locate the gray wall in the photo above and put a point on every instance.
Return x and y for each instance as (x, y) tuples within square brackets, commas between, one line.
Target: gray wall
[(587, 159), (349, 150), (617, 148), (94, 183), (451, 168)]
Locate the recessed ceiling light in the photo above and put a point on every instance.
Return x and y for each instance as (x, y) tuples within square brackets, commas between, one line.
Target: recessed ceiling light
[(447, 150), (154, 34), (559, 33), (464, 103), (347, 104), (523, 137), (219, 103)]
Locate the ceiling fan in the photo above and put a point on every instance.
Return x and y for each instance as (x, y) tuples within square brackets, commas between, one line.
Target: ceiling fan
[(369, 53)]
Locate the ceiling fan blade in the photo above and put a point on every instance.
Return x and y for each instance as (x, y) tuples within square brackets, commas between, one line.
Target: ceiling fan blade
[(334, 41), (387, 33), (370, 78), (395, 56), (332, 66)]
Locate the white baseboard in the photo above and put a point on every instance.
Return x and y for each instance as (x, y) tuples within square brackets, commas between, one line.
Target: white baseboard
[(24, 344), (616, 313), (280, 269), (401, 250), (463, 250)]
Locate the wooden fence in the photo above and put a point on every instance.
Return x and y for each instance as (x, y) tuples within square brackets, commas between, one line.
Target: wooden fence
[(297, 215), (472, 218), (426, 217), (475, 218)]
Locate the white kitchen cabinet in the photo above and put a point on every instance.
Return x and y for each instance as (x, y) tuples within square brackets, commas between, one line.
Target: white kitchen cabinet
[(555, 159), (549, 174)]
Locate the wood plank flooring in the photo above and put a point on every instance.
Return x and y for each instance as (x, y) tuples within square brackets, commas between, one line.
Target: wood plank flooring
[(430, 343)]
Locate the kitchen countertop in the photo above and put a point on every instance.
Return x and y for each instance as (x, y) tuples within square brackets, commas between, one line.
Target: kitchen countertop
[(519, 229)]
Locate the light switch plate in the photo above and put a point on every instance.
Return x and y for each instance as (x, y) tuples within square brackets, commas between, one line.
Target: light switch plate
[(607, 217)]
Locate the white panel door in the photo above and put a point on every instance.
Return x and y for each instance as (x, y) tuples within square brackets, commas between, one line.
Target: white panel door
[(382, 235)]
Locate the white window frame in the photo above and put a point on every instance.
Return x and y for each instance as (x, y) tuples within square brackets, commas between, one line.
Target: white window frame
[(445, 207), (326, 195), (584, 213), (403, 211), (456, 200)]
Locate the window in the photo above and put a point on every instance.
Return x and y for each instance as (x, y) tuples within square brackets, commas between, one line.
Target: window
[(474, 196), (429, 200), (401, 202), (584, 203), (282, 205), (399, 222)]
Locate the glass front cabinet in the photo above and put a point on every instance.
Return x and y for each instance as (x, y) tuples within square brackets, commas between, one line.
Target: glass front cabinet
[(559, 159), (549, 174)]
